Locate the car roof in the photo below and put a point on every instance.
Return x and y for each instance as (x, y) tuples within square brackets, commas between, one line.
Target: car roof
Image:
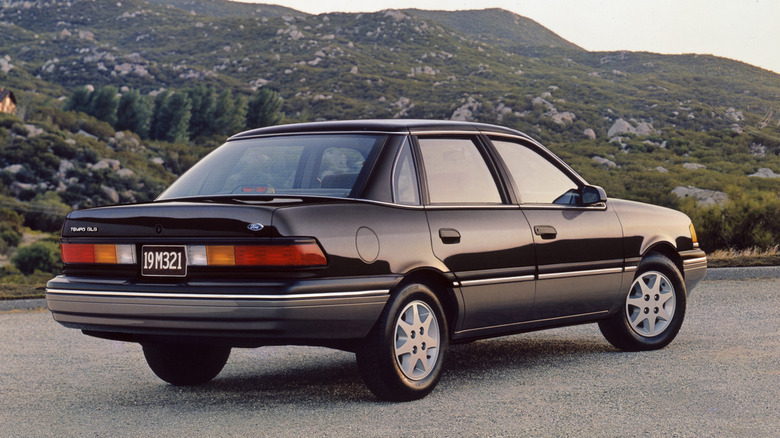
[(385, 126)]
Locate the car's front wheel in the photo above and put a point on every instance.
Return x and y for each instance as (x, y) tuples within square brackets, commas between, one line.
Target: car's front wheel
[(402, 357), (652, 311), (186, 364)]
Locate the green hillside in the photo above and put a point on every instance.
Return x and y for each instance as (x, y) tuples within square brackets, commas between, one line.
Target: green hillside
[(693, 132)]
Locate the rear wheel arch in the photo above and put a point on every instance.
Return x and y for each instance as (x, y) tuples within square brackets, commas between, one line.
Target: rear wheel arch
[(441, 287)]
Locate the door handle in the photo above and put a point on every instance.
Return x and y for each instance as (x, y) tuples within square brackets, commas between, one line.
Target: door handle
[(449, 235), (546, 231)]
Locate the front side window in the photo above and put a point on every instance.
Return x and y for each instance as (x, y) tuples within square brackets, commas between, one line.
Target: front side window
[(314, 165), (538, 180), (457, 173)]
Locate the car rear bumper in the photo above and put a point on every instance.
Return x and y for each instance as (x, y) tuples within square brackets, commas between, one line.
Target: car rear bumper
[(311, 311)]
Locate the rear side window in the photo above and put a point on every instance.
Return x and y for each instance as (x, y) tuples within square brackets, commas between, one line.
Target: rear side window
[(538, 180), (405, 188), (316, 165), (457, 173)]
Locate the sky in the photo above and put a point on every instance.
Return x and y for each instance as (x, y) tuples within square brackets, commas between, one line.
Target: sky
[(745, 30)]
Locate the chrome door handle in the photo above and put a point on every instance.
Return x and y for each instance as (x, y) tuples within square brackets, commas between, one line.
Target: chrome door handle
[(546, 231), (449, 235)]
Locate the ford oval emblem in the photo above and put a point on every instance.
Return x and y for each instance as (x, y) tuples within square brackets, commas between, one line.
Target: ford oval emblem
[(255, 227)]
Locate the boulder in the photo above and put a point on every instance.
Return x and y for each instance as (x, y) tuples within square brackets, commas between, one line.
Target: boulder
[(765, 172), (645, 128), (703, 197), (589, 133), (604, 161), (105, 163), (110, 193), (620, 127)]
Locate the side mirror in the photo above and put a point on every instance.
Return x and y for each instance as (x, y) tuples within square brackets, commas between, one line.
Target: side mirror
[(593, 195)]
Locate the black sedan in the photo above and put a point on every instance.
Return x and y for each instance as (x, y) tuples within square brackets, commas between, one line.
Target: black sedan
[(391, 239)]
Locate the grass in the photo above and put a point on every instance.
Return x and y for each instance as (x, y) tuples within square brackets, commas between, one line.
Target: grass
[(746, 257), (21, 291)]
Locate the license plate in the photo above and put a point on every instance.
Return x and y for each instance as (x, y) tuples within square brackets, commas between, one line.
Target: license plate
[(164, 261)]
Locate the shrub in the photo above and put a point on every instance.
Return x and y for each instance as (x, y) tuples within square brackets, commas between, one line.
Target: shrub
[(41, 256)]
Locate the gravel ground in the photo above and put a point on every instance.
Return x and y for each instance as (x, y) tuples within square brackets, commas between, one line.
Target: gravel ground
[(720, 377)]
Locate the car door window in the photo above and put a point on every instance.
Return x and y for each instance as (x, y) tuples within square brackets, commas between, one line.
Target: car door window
[(537, 179), (457, 173)]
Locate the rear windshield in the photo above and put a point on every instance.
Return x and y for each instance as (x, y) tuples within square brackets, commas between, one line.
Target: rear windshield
[(313, 165)]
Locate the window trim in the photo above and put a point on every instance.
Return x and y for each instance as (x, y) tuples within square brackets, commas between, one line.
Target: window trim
[(485, 152), (545, 154), (406, 142)]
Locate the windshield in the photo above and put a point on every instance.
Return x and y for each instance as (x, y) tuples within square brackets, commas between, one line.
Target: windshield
[(306, 165)]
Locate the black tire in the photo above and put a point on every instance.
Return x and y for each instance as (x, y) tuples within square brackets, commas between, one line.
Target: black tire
[(652, 310), (186, 364), (402, 357)]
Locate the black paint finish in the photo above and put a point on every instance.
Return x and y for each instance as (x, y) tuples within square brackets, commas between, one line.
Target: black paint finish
[(497, 269)]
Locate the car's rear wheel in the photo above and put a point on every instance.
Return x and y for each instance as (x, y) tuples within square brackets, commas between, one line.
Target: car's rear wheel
[(652, 311), (186, 364), (402, 357)]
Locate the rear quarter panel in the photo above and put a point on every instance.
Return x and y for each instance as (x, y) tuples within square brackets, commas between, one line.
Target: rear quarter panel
[(363, 238)]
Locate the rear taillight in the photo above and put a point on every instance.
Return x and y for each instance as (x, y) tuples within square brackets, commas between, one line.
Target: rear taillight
[(294, 254), (89, 253)]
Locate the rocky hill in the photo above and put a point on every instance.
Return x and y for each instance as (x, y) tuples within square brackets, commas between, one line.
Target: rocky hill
[(659, 128)]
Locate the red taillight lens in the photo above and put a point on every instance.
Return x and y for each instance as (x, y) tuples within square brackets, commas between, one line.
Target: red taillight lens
[(97, 253), (297, 254), (77, 253)]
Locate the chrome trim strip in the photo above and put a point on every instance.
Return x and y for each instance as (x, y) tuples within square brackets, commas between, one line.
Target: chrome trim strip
[(472, 206), (422, 132), (219, 296), (695, 261), (580, 273), (485, 281), (598, 206), (630, 268)]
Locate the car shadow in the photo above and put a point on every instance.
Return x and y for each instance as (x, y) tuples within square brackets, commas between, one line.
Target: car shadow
[(282, 376)]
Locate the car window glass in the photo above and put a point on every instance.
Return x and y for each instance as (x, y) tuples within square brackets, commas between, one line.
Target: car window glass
[(319, 165), (405, 189), (456, 172), (537, 179)]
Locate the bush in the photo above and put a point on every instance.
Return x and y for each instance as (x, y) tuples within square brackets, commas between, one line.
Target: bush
[(43, 256), (749, 220)]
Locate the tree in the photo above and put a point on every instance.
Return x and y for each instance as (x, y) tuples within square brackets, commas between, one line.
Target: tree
[(202, 122), (103, 104), (79, 101), (263, 109), (156, 125), (171, 117), (133, 114), (229, 113), (179, 117)]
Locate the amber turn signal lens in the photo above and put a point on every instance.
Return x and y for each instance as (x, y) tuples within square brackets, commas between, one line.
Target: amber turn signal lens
[(693, 234), (221, 255)]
